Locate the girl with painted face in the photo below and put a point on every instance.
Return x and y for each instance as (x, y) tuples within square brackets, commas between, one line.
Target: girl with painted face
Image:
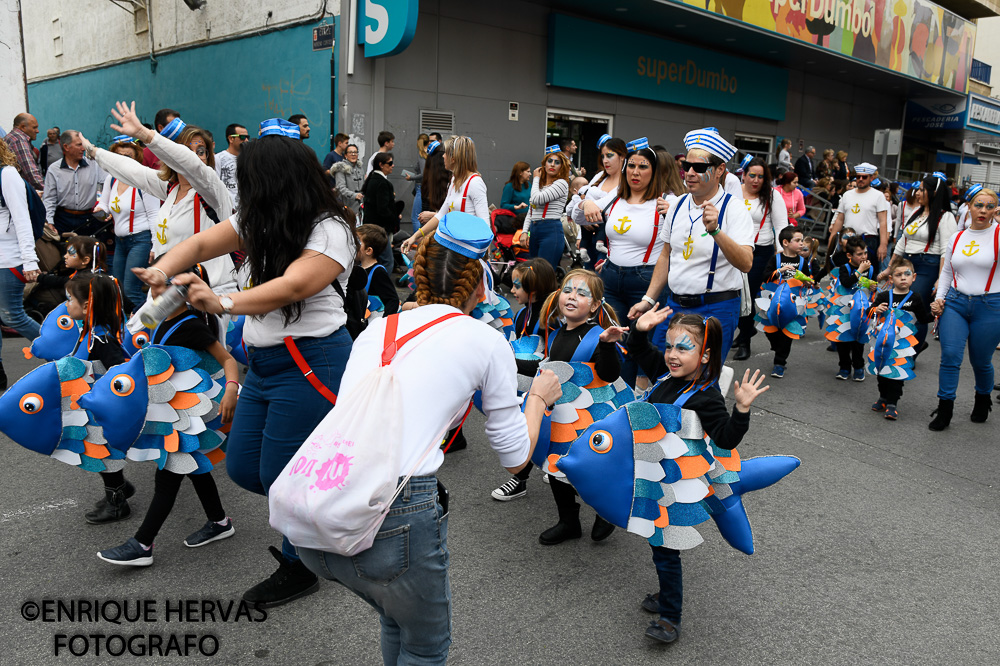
[(613, 154), (689, 371), (769, 216), (632, 217), (578, 326), (549, 192), (968, 303)]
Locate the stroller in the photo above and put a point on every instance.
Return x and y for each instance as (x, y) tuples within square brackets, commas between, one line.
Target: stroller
[(507, 251), (39, 301)]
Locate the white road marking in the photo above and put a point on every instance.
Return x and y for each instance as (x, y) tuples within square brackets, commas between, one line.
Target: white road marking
[(8, 516)]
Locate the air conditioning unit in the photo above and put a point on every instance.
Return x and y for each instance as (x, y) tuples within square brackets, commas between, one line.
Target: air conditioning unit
[(442, 122)]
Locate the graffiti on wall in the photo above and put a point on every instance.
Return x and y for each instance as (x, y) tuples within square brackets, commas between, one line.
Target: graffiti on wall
[(289, 94)]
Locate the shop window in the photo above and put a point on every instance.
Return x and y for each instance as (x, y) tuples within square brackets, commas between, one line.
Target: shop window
[(442, 122), (756, 145), (584, 128)]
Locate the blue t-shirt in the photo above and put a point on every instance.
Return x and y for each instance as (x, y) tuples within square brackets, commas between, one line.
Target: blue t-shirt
[(331, 159), (512, 197)]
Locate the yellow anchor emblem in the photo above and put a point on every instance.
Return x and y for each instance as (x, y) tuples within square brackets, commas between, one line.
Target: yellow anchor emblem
[(161, 236), (912, 228), (621, 228), (856, 208), (116, 205), (747, 202), (688, 248), (971, 248), (451, 206)]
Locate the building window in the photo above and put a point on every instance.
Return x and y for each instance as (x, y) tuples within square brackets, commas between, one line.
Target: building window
[(57, 43), (756, 145), (980, 71)]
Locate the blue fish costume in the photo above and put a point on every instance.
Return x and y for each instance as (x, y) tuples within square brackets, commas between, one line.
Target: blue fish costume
[(847, 317), (650, 468), (57, 336), (781, 305), (234, 339), (893, 349), (494, 309)]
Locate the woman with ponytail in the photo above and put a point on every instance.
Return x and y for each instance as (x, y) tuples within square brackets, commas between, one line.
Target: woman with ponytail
[(415, 608)]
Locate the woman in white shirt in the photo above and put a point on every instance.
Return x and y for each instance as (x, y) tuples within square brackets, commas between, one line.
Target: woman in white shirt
[(923, 241), (968, 303), (613, 152), (186, 183), (300, 251), (467, 192), (18, 263), (134, 213), (769, 216), (547, 201), (404, 575)]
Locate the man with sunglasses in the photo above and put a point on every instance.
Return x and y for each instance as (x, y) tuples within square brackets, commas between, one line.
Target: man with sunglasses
[(225, 162), (708, 241), (865, 210)]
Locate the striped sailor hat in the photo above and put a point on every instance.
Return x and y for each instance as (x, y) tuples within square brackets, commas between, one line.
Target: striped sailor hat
[(432, 146), (747, 159), (603, 140), (635, 145), (940, 175), (971, 193), (173, 129), (552, 149), (464, 233), (709, 140), (865, 169), (279, 127), (122, 138)]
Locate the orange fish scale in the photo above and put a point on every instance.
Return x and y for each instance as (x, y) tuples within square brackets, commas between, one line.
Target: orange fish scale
[(74, 387), (650, 435), (162, 377), (551, 466), (731, 463), (664, 519), (98, 451), (171, 442), (563, 432), (216, 456), (692, 466), (185, 400)]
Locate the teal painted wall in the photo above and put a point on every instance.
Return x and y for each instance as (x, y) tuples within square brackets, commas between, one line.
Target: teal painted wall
[(243, 81)]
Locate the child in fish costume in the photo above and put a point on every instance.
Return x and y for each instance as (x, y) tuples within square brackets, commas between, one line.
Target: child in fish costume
[(781, 306), (652, 468), (847, 319), (891, 358)]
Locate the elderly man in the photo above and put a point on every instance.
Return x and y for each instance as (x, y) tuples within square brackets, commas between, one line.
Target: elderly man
[(51, 150), (804, 168), (19, 139), (71, 188)]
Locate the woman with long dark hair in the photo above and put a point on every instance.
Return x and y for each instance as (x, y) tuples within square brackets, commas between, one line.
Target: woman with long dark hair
[(300, 250), (770, 216), (924, 240), (613, 152), (434, 182)]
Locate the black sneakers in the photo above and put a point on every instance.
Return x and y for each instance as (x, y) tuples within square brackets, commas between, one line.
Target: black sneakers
[(212, 531), (510, 490), (129, 554), (291, 581)]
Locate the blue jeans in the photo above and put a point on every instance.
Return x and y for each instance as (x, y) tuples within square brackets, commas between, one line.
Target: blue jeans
[(547, 241), (972, 319), (132, 252), (12, 305), (404, 576), (926, 267), (668, 570), (417, 205), (727, 312), (624, 286), (278, 408)]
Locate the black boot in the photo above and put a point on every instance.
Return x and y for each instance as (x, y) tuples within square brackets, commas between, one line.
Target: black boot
[(113, 507), (981, 410), (942, 415), (458, 443), (291, 581), (3, 378), (742, 351), (567, 528), (601, 530)]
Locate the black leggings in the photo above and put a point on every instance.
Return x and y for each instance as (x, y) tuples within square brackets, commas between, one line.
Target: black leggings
[(168, 484), (781, 345), (852, 354), (890, 390), (113, 480)]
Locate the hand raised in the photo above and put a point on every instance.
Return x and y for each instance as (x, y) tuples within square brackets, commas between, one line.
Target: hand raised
[(613, 333), (653, 318), (747, 391)]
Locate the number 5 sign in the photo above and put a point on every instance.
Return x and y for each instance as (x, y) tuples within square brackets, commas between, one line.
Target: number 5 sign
[(387, 26)]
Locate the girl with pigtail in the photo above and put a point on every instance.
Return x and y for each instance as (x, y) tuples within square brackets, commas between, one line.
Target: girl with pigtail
[(575, 322)]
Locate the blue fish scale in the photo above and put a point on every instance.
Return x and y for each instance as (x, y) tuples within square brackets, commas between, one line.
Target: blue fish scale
[(91, 464), (582, 374), (148, 442), (187, 443), (183, 358), (717, 452), (648, 489), (210, 440), (687, 515), (671, 472), (157, 428), (600, 411), (72, 445), (570, 393), (205, 383), (74, 432), (696, 447), (603, 393), (727, 477), (643, 507)]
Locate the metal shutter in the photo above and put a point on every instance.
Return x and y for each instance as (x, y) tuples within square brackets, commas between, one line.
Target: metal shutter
[(442, 122)]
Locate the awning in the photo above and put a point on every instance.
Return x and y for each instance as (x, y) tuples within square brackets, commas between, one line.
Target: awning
[(954, 158)]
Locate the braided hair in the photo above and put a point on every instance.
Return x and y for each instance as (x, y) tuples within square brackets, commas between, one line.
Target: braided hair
[(443, 276)]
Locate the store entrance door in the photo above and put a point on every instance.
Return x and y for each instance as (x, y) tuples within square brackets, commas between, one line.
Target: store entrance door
[(585, 129)]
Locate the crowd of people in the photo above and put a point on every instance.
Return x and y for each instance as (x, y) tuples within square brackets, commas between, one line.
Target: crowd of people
[(676, 250)]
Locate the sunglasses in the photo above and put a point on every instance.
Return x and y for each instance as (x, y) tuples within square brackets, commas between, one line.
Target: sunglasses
[(699, 167), (241, 137), (389, 163), (987, 206), (862, 176)]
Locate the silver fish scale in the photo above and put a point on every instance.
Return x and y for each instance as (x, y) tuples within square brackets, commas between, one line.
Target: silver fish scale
[(95, 434), (722, 490), (691, 427), (668, 495), (647, 452)]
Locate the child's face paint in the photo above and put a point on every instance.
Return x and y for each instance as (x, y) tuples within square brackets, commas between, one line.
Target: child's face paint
[(902, 278), (682, 353), (73, 260), (517, 290), (576, 302), (75, 308)]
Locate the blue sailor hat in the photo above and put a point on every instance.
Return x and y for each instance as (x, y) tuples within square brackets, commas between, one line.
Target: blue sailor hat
[(973, 191), (747, 159), (603, 140), (122, 138), (709, 140), (635, 145), (173, 129), (278, 127), (876, 182), (552, 149), (432, 146), (865, 169), (940, 175), (464, 233)]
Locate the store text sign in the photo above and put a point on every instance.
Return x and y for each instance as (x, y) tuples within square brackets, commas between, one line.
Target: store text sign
[(663, 70), (386, 27)]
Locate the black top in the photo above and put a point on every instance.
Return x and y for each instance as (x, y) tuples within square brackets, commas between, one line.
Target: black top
[(914, 305), (725, 430), (808, 267), (193, 333), (562, 346), (804, 169), (849, 275), (381, 286), (839, 258), (105, 349), (380, 203), (531, 312)]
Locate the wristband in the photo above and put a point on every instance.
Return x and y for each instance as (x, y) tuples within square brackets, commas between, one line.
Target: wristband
[(421, 232), (715, 233), (233, 381), (166, 278), (535, 395), (649, 300)]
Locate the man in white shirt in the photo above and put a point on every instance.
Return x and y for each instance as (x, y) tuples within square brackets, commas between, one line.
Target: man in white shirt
[(225, 162), (386, 142), (865, 210)]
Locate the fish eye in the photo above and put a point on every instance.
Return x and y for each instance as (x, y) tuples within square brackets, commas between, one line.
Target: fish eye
[(601, 441), (65, 322), (122, 385), (32, 403), (140, 339)]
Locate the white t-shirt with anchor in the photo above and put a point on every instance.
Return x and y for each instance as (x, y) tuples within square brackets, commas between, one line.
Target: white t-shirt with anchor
[(861, 209), (633, 230), (691, 246), (971, 264)]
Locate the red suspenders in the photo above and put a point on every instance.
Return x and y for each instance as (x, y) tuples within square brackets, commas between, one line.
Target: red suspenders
[(996, 257)]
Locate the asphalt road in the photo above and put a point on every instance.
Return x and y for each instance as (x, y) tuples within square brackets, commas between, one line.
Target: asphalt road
[(880, 548)]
